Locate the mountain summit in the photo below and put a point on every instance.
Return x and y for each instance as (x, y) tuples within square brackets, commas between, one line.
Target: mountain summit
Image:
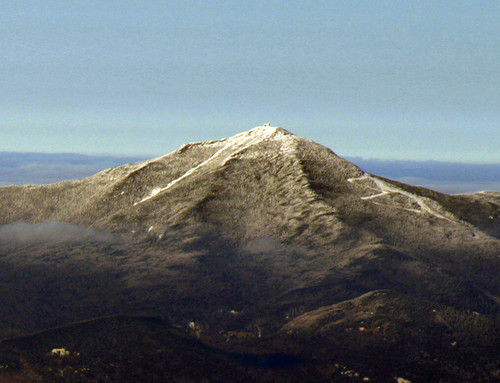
[(261, 235)]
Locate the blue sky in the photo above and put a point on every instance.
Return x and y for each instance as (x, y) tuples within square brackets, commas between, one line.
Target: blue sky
[(414, 80)]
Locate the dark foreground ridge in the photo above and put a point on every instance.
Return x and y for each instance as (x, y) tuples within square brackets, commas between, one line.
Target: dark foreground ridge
[(263, 252)]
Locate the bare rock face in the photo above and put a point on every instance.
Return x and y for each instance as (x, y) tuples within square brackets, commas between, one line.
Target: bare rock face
[(261, 234)]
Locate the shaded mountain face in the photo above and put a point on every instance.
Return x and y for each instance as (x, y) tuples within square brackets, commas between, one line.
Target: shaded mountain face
[(234, 239), (106, 350)]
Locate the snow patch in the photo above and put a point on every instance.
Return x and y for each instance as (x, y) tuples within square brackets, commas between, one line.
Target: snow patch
[(154, 192), (60, 352), (265, 129)]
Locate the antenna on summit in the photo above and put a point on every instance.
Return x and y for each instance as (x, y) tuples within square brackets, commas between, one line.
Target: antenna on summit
[(268, 124)]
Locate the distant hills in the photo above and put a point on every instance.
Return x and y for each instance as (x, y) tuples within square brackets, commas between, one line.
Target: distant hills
[(43, 168), (265, 248), (447, 177)]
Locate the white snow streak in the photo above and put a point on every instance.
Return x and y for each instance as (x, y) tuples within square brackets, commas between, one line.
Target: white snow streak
[(154, 192), (363, 177), (387, 188), (234, 145), (376, 195), (421, 201)]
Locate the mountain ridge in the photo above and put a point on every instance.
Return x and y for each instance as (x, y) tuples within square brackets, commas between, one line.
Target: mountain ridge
[(221, 149), (234, 239)]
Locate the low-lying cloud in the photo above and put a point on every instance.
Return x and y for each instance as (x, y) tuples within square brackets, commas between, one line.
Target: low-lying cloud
[(53, 231), (263, 245)]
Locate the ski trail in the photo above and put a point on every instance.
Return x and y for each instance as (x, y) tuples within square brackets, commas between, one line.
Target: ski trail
[(387, 188), (235, 144)]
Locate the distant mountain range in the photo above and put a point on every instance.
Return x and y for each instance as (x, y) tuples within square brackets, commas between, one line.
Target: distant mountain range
[(265, 250), (44, 168), (446, 177)]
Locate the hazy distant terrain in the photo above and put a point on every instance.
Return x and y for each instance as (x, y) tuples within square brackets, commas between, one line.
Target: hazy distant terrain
[(265, 248), (43, 168), (447, 177)]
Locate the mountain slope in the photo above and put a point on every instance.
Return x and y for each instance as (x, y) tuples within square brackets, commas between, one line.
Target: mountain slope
[(233, 239), (296, 170), (105, 349), (447, 344)]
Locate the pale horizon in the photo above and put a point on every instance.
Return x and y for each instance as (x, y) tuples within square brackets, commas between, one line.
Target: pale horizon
[(406, 80)]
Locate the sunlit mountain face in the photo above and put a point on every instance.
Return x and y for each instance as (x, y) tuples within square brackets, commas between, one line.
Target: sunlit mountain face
[(264, 252)]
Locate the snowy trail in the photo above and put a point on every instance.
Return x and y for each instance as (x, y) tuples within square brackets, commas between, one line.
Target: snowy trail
[(421, 201), (234, 145), (387, 188), (363, 177), (376, 195)]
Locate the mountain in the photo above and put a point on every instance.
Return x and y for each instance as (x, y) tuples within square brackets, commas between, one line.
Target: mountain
[(106, 350), (264, 242)]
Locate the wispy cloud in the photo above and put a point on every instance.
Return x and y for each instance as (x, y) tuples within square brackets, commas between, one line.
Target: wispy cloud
[(53, 231), (263, 245)]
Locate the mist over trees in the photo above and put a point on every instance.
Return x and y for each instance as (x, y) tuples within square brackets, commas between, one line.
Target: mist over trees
[(53, 231)]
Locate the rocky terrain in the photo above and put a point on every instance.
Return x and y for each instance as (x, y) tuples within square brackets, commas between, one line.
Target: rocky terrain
[(260, 244)]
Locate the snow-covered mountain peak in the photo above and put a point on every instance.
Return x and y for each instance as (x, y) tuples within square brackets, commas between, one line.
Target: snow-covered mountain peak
[(268, 130), (231, 148)]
